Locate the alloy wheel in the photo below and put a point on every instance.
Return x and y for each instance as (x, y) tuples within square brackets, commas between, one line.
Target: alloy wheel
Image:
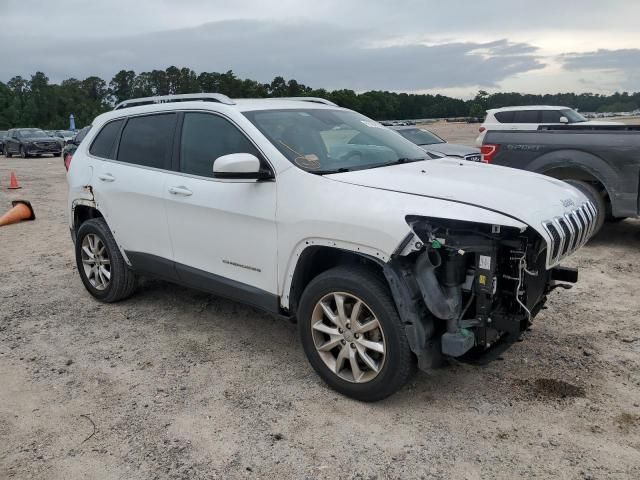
[(96, 262), (348, 337)]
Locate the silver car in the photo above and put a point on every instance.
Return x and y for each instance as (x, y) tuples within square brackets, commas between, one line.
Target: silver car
[(435, 146)]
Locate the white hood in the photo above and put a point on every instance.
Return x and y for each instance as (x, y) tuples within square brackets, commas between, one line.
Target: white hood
[(529, 197)]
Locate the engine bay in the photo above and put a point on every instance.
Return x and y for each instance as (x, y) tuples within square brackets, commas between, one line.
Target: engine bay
[(480, 283)]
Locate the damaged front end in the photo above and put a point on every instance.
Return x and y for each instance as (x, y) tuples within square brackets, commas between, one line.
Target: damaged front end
[(462, 286)]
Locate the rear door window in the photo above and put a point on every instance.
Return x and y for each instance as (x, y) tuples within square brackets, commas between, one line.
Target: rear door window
[(103, 145), (206, 137), (526, 116), (147, 141)]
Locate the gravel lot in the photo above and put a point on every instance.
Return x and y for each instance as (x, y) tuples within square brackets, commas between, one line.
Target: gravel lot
[(174, 383)]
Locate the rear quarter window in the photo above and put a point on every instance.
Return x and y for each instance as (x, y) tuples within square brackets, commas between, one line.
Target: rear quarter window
[(505, 117), (103, 145)]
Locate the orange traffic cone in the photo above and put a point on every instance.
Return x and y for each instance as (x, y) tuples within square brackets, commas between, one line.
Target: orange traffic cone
[(21, 210), (13, 183)]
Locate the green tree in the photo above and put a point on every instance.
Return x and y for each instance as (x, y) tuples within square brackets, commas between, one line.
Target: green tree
[(121, 86), (476, 111)]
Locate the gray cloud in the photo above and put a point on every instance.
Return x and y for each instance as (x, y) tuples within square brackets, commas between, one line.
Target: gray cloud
[(318, 54), (602, 59), (614, 69), (499, 18)]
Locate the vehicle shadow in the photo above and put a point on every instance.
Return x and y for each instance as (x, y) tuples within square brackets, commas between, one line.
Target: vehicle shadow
[(623, 233), (210, 327)]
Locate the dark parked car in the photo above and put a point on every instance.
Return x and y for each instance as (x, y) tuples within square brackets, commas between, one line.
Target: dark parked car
[(600, 160), (435, 146), (30, 141), (72, 145), (3, 134)]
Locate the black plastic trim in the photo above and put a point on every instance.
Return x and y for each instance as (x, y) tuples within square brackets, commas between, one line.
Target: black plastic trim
[(260, 175), (153, 265), (564, 274), (208, 282)]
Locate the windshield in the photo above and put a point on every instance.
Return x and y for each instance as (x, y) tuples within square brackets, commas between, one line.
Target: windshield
[(33, 133), (420, 136), (573, 116), (327, 141), (65, 133)]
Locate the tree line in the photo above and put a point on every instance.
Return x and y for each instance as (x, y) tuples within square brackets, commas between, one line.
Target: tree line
[(38, 102)]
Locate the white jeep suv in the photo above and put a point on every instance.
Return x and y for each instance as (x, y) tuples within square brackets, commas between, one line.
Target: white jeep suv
[(321, 215)]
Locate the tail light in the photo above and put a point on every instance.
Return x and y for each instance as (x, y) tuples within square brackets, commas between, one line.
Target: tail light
[(481, 129), (67, 161), (488, 152)]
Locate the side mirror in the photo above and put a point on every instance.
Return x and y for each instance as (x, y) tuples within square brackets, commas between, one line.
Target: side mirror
[(241, 166), (564, 120)]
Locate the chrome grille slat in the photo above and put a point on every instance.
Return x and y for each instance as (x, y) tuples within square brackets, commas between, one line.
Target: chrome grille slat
[(570, 231), (567, 236), (576, 230), (586, 222)]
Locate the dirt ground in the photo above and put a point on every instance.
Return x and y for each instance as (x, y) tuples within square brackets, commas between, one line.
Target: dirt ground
[(174, 383)]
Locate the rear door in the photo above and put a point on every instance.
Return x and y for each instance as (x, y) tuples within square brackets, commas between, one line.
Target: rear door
[(223, 231), (129, 186)]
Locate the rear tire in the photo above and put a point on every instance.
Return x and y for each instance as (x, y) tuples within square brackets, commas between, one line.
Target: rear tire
[(372, 363), (594, 197), (102, 269), (23, 152)]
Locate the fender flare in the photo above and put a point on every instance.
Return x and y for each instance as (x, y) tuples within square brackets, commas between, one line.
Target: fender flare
[(579, 160), (358, 249), (92, 204)]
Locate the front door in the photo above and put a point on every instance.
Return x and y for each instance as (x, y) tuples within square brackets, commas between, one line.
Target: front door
[(223, 232)]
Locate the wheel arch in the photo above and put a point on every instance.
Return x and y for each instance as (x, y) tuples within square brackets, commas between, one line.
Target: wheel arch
[(578, 165), (316, 257), (84, 210)]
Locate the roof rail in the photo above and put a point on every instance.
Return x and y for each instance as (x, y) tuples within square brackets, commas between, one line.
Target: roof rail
[(186, 97), (307, 99)]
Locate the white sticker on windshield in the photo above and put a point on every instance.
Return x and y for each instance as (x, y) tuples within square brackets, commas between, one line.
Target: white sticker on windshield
[(372, 124)]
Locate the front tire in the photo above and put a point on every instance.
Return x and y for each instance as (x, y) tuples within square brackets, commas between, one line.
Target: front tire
[(102, 269), (594, 197), (7, 153), (352, 335)]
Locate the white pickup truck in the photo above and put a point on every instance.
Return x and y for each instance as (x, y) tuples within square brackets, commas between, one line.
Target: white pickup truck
[(316, 213)]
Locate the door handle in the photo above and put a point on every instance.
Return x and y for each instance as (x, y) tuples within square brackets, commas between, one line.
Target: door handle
[(107, 177), (184, 191)]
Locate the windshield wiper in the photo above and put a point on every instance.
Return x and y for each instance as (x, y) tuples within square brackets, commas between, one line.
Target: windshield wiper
[(406, 160), (329, 172)]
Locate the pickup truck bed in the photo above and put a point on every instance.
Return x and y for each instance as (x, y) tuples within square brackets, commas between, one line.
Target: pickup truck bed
[(604, 157)]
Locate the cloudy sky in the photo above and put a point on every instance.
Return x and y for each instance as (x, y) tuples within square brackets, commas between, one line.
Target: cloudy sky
[(452, 47)]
